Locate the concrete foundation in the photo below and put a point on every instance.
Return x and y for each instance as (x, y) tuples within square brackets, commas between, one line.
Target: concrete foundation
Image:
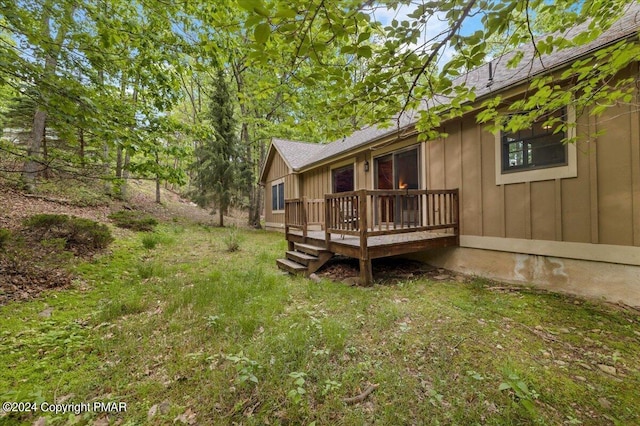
[(602, 280)]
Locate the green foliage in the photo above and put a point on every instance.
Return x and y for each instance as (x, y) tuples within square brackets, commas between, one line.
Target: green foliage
[(233, 239), (297, 393), (245, 368), (438, 351), (217, 158), (134, 220), (150, 241), (5, 236), (76, 231), (520, 392)]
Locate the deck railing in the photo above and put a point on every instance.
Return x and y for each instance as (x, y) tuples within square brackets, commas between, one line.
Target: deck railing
[(367, 213), (301, 213)]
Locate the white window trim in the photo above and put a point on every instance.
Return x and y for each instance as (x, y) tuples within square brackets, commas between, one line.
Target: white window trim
[(276, 183), (570, 170)]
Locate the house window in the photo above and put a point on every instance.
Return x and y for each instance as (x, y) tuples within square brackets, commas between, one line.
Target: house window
[(343, 179), (534, 148), (277, 196), (400, 170)]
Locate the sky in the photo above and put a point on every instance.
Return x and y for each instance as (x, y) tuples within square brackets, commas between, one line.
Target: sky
[(436, 24)]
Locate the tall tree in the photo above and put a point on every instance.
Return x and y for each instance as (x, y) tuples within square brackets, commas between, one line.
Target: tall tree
[(217, 157)]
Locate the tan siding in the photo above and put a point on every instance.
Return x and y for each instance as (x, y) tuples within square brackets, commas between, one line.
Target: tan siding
[(453, 156), (614, 178), (543, 210), (278, 168), (515, 210), (360, 175), (492, 195), (316, 183), (596, 206), (576, 193), (471, 180), (436, 166)]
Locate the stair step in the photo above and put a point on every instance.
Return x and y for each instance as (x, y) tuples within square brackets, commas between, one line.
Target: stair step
[(310, 249), (300, 257), (290, 266)]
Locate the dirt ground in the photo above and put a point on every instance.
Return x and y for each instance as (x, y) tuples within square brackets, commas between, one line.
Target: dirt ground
[(385, 271)]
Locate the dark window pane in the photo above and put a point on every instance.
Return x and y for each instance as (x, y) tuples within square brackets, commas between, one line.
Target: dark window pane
[(274, 197), (281, 196), (384, 170), (536, 147), (343, 179), (407, 170)]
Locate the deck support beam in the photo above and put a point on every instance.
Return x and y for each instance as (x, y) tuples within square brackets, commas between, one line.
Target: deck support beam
[(366, 272)]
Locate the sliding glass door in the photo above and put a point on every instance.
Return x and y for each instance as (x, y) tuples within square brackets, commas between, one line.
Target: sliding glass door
[(398, 170)]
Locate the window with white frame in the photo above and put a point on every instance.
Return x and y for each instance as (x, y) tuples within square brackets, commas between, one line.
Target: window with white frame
[(277, 196)]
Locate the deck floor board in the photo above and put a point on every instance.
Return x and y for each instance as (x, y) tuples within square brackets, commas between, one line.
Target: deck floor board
[(375, 241)]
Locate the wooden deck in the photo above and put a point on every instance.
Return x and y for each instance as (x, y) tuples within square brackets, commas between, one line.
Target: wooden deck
[(379, 245), (368, 225)]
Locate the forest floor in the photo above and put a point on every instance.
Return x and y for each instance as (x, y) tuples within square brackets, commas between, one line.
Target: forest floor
[(170, 327)]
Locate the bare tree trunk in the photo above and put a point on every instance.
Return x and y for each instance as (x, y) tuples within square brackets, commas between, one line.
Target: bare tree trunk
[(81, 140), (127, 153), (105, 167), (32, 164), (118, 162), (125, 175), (158, 182)]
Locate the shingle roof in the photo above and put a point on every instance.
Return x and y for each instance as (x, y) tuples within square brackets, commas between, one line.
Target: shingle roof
[(297, 154), (300, 155)]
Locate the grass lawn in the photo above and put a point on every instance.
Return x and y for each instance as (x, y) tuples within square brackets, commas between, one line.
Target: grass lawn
[(184, 332)]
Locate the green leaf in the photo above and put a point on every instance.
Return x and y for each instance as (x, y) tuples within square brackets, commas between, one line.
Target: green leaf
[(364, 51), (504, 386), (250, 5), (285, 12), (262, 32)]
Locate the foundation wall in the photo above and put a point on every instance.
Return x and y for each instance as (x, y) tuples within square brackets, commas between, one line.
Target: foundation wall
[(612, 282)]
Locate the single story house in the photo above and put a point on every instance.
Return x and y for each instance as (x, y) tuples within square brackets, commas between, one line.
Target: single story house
[(519, 207)]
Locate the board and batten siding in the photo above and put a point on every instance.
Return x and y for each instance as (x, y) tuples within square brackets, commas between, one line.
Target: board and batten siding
[(278, 172), (601, 205)]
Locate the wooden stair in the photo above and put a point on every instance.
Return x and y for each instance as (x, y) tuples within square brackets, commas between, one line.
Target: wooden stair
[(304, 259)]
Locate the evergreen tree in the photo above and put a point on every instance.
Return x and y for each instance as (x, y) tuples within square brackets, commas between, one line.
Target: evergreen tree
[(217, 166)]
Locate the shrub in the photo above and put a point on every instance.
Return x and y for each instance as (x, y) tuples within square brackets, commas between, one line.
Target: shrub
[(5, 234), (134, 220), (150, 241), (75, 231), (232, 239)]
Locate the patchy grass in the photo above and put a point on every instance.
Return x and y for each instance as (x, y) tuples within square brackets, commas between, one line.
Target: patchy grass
[(134, 220), (192, 332)]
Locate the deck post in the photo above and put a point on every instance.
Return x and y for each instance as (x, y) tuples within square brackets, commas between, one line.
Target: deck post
[(287, 208), (304, 218), (366, 272), (327, 218), (456, 212)]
